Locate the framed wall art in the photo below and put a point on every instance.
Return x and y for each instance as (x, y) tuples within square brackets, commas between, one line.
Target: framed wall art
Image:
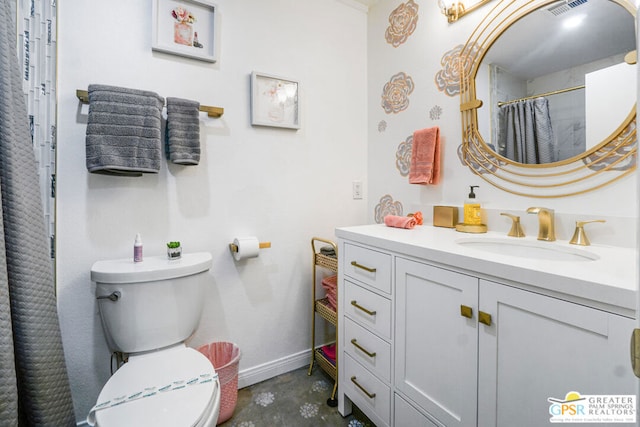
[(274, 101), (184, 28)]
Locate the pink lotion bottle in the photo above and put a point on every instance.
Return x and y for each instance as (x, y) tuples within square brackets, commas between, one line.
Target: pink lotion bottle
[(137, 249)]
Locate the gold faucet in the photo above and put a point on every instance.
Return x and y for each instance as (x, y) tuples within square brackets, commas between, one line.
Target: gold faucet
[(547, 230), (579, 236), (516, 228)]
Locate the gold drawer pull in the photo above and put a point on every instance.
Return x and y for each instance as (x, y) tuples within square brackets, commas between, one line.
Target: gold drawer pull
[(369, 269), (362, 349), (484, 318), (364, 390), (466, 311), (359, 307), (635, 352)]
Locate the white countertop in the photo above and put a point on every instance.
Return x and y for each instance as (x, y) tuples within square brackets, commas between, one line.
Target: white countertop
[(609, 283)]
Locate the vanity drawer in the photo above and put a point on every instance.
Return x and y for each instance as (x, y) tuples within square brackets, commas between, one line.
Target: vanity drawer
[(368, 266), (365, 390), (372, 352), (369, 310)]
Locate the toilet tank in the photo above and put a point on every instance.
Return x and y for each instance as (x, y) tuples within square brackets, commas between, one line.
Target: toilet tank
[(151, 304)]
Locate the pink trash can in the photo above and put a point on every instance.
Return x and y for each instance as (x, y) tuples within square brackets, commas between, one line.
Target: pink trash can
[(224, 357)]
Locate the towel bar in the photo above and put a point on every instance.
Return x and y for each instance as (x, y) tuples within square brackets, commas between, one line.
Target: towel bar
[(214, 112)]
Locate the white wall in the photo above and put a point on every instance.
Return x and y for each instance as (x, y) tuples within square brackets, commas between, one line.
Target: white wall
[(283, 186), (420, 57), (617, 81)]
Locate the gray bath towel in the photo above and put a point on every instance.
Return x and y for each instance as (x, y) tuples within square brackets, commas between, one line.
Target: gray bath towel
[(123, 131), (183, 131)]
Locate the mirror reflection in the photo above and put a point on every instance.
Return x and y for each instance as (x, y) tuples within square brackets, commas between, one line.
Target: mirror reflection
[(555, 84)]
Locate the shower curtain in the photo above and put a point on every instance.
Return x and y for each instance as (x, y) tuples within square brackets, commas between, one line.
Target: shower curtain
[(34, 387), (526, 134)]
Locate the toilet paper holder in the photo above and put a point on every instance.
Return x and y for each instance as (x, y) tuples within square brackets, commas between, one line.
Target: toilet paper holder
[(262, 245)]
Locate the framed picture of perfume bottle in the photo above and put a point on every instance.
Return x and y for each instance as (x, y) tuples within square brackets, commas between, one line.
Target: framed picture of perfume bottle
[(274, 101), (185, 28)]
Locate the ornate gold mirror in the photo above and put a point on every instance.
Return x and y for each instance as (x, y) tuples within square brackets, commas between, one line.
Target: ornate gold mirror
[(548, 93)]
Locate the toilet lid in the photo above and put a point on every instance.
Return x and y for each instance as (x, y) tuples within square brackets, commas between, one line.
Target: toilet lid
[(172, 387)]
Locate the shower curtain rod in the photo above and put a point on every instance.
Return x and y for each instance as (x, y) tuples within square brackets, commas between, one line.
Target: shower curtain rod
[(555, 92)]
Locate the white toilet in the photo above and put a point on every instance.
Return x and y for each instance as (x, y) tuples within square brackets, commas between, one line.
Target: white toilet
[(148, 310)]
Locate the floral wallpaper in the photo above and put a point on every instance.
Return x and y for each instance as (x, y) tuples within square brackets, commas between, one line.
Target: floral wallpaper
[(402, 23), (448, 78), (435, 113), (387, 206), (403, 156), (617, 153), (477, 160), (395, 94)]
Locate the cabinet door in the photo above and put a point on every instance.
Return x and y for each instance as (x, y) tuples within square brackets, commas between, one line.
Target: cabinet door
[(405, 415), (539, 347), (436, 347)]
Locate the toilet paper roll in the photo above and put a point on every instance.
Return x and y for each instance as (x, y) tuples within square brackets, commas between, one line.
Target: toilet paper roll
[(248, 247)]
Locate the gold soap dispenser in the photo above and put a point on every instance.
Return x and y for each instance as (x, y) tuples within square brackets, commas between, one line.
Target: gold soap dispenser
[(472, 215)]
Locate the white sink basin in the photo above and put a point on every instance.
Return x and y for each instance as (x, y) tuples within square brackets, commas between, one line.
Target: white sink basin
[(532, 249)]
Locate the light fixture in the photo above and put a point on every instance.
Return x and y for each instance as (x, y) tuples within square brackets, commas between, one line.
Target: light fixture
[(573, 22), (458, 10)]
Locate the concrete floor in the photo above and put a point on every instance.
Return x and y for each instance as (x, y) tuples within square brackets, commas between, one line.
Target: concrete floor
[(292, 399)]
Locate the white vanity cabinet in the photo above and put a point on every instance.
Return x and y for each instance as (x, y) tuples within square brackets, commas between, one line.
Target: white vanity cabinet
[(531, 348), (449, 346), (436, 349), (365, 329), (538, 347)]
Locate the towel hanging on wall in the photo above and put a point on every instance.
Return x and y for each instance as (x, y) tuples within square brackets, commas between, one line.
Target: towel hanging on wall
[(123, 131), (183, 131), (425, 157)]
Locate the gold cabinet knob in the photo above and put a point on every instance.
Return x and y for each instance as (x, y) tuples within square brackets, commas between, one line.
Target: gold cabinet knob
[(484, 318), (466, 311)]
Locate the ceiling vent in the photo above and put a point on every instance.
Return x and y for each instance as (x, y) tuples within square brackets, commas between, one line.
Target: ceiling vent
[(564, 7)]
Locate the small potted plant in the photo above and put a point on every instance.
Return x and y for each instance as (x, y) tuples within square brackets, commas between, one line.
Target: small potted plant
[(174, 250)]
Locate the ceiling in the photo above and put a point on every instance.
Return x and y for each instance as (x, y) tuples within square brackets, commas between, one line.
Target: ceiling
[(538, 44), (367, 2)]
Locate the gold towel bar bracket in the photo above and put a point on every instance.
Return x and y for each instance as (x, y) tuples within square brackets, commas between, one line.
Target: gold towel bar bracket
[(214, 112)]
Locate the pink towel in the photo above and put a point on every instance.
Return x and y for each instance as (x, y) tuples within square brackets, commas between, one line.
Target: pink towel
[(330, 282), (332, 299), (330, 285), (330, 351), (425, 157), (400, 221)]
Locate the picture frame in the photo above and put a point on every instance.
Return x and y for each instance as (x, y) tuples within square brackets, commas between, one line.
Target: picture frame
[(275, 101), (185, 28)]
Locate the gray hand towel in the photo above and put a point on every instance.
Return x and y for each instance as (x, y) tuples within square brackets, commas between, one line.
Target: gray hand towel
[(123, 131), (183, 131)]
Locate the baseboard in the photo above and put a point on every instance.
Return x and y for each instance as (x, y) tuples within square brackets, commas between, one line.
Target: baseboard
[(256, 374)]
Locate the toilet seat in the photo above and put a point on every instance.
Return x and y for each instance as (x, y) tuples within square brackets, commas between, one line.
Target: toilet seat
[(191, 399)]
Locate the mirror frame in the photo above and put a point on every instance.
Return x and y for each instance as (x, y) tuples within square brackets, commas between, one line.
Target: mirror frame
[(607, 162)]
